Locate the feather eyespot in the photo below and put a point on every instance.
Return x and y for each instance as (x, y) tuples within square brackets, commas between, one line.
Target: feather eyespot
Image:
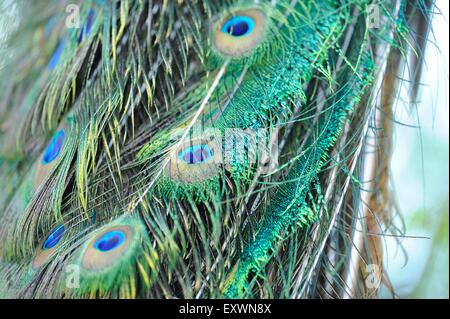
[(48, 246), (195, 160), (49, 159), (240, 33), (107, 248), (54, 147), (56, 55), (108, 259), (86, 29), (196, 154)]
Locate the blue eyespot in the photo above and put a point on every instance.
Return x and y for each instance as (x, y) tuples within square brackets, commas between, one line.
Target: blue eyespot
[(110, 240), (86, 29), (238, 26), (54, 148), (56, 55), (54, 237), (90, 21), (196, 154)]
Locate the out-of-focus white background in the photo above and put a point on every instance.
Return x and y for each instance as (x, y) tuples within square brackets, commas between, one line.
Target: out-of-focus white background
[(420, 168)]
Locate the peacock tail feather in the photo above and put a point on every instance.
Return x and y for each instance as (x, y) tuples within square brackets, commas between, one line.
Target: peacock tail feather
[(200, 149)]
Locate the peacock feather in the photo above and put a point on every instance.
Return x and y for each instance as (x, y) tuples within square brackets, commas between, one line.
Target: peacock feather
[(200, 149)]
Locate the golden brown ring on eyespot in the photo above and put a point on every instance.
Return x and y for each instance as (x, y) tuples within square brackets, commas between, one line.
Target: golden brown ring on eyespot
[(51, 155), (195, 160), (107, 247), (48, 246), (240, 33)]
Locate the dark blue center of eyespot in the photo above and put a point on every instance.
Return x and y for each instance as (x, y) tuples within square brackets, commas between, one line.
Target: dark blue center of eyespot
[(54, 237), (56, 55), (54, 148), (86, 29), (196, 154), (110, 240), (238, 26)]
